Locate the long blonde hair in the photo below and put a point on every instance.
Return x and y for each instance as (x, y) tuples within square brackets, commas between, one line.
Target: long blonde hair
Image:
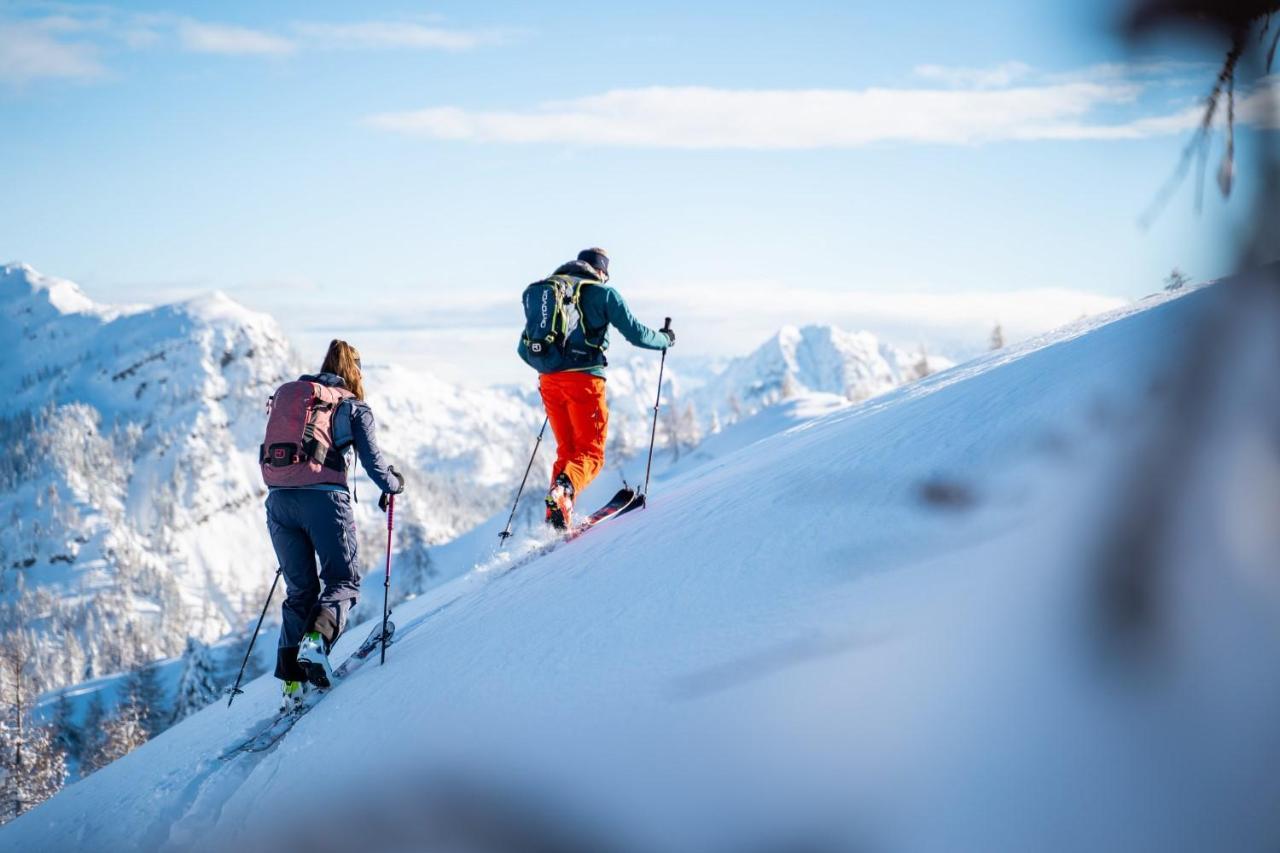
[(343, 360)]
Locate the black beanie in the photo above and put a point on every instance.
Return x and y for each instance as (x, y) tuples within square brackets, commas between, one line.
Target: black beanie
[(597, 257)]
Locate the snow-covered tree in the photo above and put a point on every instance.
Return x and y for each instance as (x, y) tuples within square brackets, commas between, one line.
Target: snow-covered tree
[(671, 428), (683, 431), (198, 684), (17, 659), (997, 337), (33, 767), (788, 388), (690, 427)]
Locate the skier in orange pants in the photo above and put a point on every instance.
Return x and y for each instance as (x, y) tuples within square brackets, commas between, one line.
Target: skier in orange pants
[(567, 320)]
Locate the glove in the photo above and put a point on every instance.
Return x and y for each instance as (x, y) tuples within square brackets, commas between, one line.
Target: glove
[(671, 336), (386, 496)]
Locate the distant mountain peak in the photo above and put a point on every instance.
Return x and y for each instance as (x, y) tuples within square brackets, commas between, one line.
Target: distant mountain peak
[(19, 281), (818, 358)]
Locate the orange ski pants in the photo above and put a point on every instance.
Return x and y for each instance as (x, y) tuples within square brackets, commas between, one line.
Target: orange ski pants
[(579, 418)]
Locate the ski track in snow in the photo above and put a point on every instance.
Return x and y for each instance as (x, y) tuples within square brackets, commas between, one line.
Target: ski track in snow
[(200, 804)]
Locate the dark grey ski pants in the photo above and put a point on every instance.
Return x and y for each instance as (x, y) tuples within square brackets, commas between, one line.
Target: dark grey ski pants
[(304, 524)]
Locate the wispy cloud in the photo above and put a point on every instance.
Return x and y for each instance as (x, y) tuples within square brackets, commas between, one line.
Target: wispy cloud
[(202, 37), (33, 50), (1008, 102), (68, 41), (697, 117), (378, 35)]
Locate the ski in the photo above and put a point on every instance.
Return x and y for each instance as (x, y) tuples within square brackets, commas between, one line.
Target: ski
[(278, 726), (623, 502)]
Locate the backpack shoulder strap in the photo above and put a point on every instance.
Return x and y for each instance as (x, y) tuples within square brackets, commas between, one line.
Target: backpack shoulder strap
[(592, 336)]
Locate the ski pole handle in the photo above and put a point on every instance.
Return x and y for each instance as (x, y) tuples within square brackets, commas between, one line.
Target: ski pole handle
[(666, 327), (391, 512)]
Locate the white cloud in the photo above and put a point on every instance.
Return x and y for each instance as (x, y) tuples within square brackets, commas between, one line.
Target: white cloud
[(31, 51), (973, 107), (202, 37), (374, 35), (996, 76), (698, 117)]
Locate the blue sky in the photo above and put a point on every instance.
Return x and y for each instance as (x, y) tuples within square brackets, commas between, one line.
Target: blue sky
[(396, 172)]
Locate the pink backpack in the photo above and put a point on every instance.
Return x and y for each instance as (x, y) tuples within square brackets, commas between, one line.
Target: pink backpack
[(298, 449)]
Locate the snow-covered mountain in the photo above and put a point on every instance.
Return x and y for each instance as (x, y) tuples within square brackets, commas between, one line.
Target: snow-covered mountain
[(885, 627), (130, 479), (131, 493), (825, 359)]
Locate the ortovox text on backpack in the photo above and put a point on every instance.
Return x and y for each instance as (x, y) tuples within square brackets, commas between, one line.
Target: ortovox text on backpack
[(555, 337), (298, 449)]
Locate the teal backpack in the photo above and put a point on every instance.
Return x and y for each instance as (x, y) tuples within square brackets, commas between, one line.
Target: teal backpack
[(555, 336)]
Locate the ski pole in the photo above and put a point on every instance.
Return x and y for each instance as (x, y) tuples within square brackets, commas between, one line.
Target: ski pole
[(386, 581), (653, 433), (506, 531), (236, 691)]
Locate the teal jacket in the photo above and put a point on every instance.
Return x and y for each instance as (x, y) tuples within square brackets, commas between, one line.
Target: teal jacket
[(602, 307)]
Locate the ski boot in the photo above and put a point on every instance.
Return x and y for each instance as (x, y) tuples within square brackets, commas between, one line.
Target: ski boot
[(560, 503), (293, 694), (314, 660)]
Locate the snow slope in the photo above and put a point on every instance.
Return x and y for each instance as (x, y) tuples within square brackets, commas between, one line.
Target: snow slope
[(871, 631)]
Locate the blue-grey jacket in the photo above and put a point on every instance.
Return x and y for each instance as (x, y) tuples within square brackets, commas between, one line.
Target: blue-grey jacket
[(353, 425)]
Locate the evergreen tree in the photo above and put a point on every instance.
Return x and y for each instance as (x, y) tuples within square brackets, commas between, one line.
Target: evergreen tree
[(198, 685), (1176, 280), (66, 734), (121, 734), (997, 337), (95, 719), (921, 368), (144, 691)]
